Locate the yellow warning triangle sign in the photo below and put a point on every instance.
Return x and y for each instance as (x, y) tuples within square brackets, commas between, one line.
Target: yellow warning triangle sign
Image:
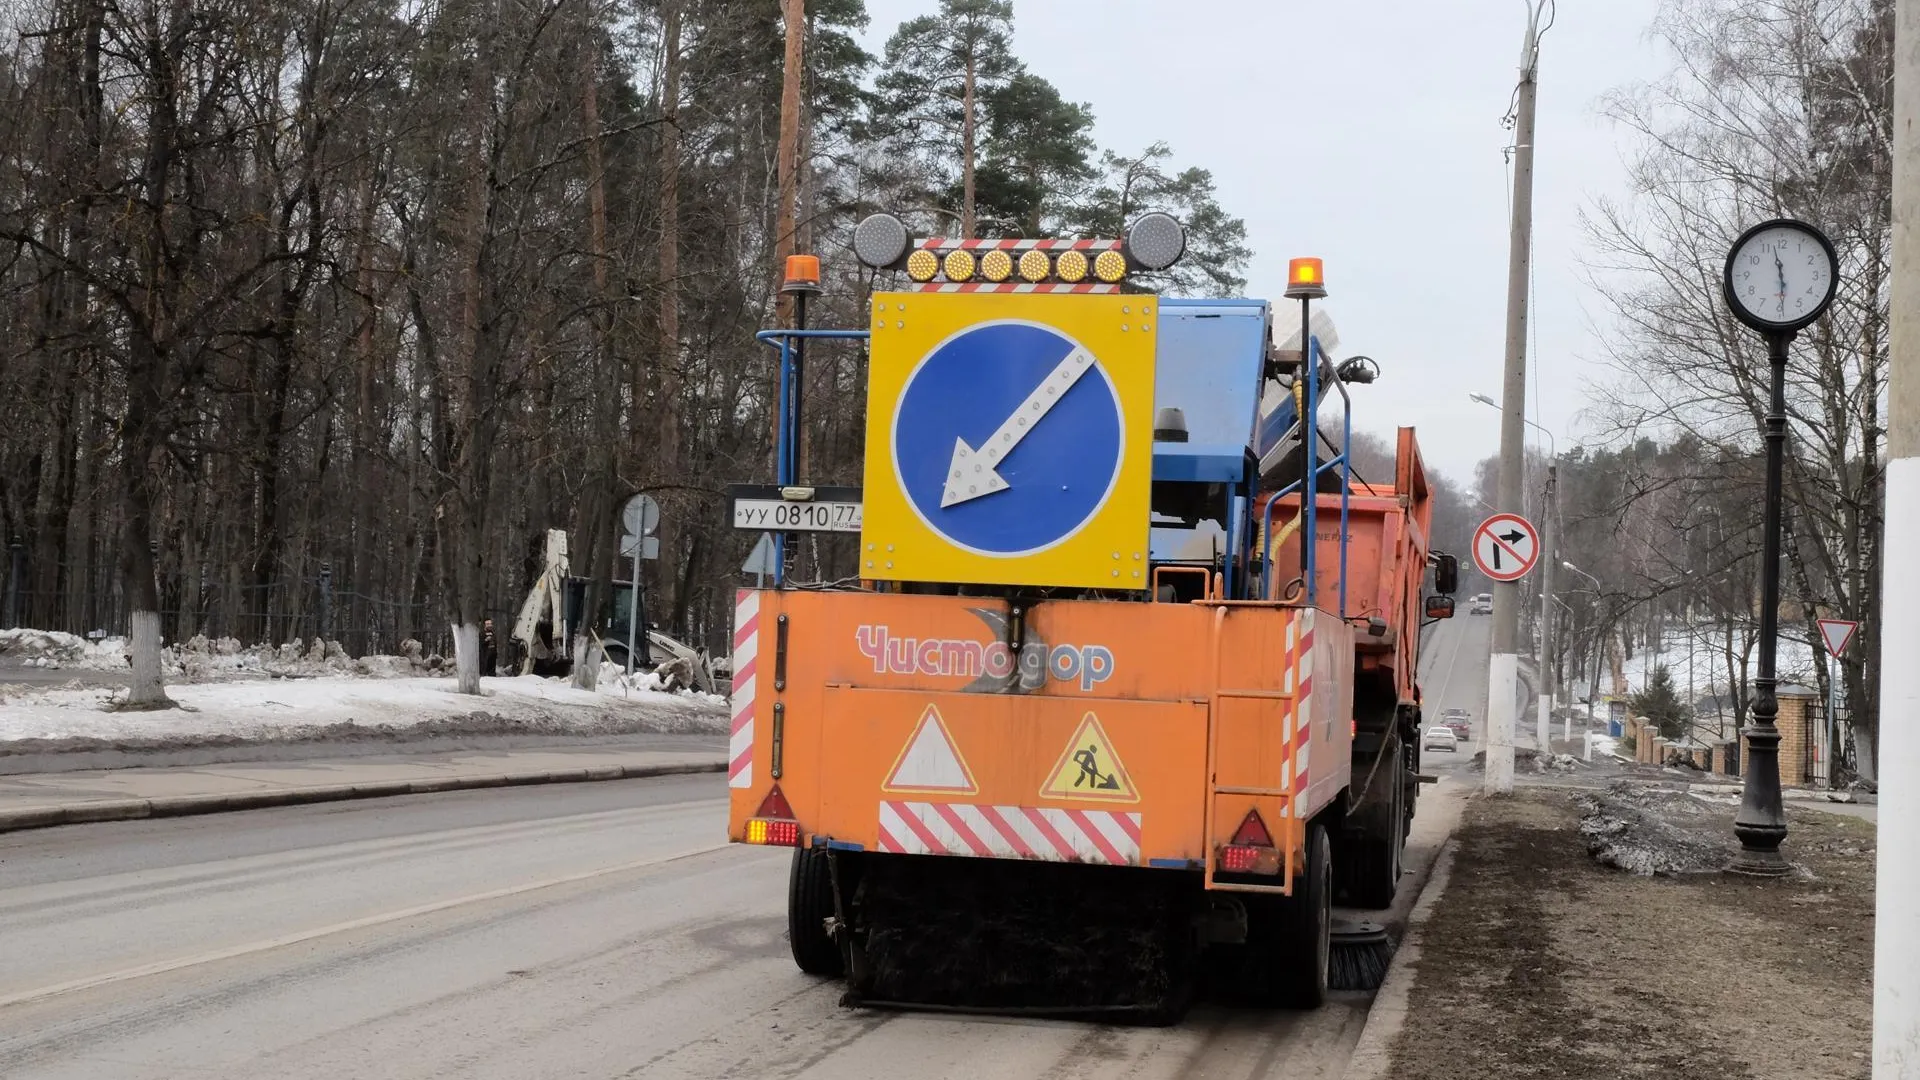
[(1090, 769), (929, 763)]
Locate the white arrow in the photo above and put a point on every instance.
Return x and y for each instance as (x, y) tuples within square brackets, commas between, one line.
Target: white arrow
[(974, 472)]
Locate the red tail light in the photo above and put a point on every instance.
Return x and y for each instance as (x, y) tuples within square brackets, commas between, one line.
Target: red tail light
[(773, 823), (1238, 858), (1251, 851), (773, 833)]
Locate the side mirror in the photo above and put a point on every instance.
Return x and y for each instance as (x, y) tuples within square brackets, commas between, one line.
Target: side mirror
[(1446, 574), (1439, 607)]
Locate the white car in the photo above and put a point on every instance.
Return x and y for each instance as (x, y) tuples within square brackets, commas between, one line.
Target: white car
[(1439, 738)]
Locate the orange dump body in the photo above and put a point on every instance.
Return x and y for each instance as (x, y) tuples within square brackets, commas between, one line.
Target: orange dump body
[(1385, 567), (1122, 733)]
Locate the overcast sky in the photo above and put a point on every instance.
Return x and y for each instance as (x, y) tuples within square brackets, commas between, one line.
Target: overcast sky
[(1367, 132)]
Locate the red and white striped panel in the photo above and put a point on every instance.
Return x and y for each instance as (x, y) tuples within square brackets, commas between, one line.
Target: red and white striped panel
[(938, 244), (1010, 287), (746, 651), (1010, 832), (1299, 683)]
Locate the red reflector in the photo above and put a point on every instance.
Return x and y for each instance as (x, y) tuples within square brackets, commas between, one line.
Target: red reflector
[(1252, 832), (1238, 858), (774, 805)]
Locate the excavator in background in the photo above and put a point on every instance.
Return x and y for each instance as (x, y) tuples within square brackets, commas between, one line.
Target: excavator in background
[(1124, 700)]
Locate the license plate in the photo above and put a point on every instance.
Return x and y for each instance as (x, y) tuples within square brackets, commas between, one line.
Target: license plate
[(784, 515)]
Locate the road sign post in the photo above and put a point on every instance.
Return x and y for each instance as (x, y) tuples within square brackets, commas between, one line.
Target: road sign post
[(1506, 547), (639, 518), (1837, 634)]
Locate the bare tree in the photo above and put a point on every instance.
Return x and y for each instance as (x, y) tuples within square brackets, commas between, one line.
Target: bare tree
[(1775, 108)]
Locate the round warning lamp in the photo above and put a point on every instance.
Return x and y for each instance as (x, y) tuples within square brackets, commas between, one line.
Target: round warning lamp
[(880, 241), (1110, 266), (996, 266), (1071, 267), (1035, 266), (1156, 241), (922, 265), (959, 265)]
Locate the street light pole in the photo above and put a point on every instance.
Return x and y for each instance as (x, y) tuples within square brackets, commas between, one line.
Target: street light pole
[(1593, 691)]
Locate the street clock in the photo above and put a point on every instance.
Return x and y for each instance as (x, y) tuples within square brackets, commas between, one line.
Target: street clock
[(1780, 276)]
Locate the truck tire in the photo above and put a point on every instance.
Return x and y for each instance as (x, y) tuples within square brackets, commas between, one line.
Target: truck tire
[(1307, 927), (809, 905), (1372, 876), (1289, 939)]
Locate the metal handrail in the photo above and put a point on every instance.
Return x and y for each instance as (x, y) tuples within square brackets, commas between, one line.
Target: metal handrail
[(786, 454), (1307, 424)]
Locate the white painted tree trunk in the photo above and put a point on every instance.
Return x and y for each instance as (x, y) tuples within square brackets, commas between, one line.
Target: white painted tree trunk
[(586, 663), (466, 657), (145, 689)]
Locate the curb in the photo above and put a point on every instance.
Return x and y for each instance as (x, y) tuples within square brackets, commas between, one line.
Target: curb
[(1372, 1057), (184, 805)]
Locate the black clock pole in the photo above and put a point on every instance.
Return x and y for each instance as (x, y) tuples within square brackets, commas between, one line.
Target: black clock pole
[(1761, 823)]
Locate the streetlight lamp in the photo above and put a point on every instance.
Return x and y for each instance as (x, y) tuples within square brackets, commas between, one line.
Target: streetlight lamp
[(1548, 537)]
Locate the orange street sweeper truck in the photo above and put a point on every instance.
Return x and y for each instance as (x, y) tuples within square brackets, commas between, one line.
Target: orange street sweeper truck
[(1122, 699)]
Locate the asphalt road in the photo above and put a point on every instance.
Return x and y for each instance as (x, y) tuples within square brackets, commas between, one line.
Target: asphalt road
[(579, 931), (1453, 675)]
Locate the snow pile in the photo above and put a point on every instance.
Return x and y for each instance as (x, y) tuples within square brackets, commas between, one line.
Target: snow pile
[(1652, 831), (42, 648), (615, 681), (347, 707)]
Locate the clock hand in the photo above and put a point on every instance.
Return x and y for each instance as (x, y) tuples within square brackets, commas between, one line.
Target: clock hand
[(1781, 269)]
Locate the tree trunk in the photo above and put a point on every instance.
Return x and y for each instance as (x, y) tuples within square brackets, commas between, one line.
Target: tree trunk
[(967, 223), (140, 446)]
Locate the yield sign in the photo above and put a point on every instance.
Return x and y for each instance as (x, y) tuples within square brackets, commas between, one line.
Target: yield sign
[(1505, 547), (1837, 633)]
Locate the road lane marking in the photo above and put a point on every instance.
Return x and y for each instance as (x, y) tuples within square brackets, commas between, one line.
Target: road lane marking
[(162, 967)]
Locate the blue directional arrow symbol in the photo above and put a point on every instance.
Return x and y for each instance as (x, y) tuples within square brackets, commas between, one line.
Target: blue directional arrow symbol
[(973, 473), (1018, 411)]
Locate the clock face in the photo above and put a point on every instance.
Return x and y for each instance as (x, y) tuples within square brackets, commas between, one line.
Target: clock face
[(1780, 276)]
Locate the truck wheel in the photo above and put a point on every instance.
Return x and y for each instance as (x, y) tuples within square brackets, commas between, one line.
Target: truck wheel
[(1284, 962), (1373, 877), (1307, 927), (809, 905)]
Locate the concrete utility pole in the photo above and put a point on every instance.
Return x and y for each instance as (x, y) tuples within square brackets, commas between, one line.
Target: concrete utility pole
[(1503, 670), (1549, 541), (1896, 938)]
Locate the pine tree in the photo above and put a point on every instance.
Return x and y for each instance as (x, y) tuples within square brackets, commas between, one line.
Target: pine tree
[(940, 73), (1659, 702), (1217, 250)]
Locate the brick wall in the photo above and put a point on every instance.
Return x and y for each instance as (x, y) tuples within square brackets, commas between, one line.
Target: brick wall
[(1795, 730)]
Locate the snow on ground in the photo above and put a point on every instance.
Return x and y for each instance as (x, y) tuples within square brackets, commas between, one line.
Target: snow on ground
[(304, 691), (344, 707), (1708, 663)]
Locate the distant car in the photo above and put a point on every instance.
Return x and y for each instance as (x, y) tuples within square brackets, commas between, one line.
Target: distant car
[(1458, 722), (1481, 605), (1440, 738)]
